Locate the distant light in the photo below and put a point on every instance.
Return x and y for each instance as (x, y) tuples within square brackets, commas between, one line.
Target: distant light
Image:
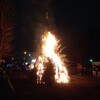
[(91, 60), (31, 66), (33, 60), (25, 52), (29, 54), (12, 58), (26, 63)]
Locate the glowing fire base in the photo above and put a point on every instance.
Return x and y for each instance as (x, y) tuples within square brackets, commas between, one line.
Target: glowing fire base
[(50, 50)]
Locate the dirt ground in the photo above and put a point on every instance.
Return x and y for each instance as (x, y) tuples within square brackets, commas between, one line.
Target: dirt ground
[(80, 87)]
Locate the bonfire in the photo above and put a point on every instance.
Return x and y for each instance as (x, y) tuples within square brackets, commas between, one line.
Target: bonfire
[(50, 50)]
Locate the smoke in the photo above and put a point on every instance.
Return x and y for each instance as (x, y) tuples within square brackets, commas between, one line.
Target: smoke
[(33, 22), (43, 21)]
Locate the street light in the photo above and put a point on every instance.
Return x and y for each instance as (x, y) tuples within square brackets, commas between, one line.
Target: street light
[(91, 60)]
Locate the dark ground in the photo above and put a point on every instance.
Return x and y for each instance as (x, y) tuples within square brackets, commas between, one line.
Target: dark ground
[(80, 87)]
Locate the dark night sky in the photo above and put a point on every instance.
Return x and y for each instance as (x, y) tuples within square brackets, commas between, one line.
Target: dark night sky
[(77, 25)]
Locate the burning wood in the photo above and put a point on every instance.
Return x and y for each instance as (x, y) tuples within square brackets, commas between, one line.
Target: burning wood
[(50, 50)]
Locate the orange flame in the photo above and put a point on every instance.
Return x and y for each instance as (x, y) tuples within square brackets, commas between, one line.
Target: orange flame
[(49, 50)]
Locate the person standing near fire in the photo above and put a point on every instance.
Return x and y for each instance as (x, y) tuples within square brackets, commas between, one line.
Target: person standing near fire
[(79, 68), (98, 70), (94, 70)]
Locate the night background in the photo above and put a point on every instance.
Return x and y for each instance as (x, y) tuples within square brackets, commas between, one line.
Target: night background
[(76, 22), (27, 76)]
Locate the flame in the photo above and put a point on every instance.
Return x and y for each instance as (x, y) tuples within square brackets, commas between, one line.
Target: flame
[(49, 50), (40, 69)]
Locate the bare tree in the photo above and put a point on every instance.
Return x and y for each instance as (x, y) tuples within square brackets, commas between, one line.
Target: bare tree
[(6, 27)]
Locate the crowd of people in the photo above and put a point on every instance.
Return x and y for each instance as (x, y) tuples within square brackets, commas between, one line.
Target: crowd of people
[(96, 70)]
